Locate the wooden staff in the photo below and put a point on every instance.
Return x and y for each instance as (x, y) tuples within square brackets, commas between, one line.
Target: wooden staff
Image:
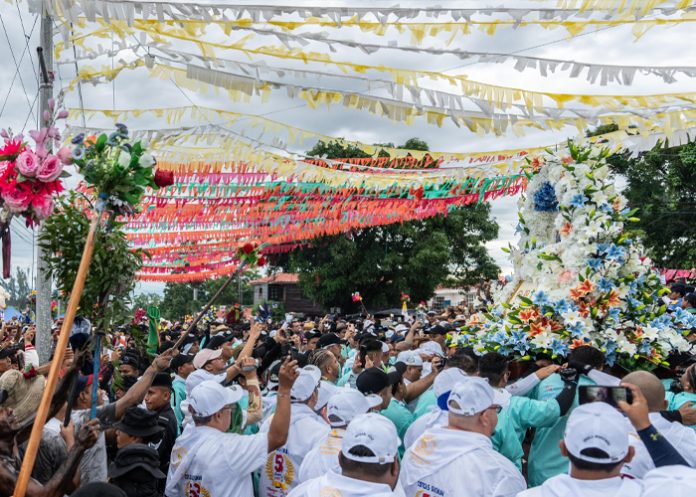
[(181, 339), (56, 363)]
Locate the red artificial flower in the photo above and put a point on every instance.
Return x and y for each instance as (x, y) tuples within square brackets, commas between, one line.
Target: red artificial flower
[(247, 248), (11, 150), (164, 178), (261, 261)]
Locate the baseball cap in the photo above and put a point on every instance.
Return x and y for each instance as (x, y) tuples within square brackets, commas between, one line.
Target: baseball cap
[(328, 340), (430, 349), (675, 481), (410, 358), (471, 396), (307, 381), (374, 432), (401, 328), (205, 356), (347, 404), (218, 340), (372, 380), (438, 329), (597, 426), (179, 360), (210, 397), (447, 379)]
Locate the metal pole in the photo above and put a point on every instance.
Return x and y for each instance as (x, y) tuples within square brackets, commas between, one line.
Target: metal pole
[(43, 280)]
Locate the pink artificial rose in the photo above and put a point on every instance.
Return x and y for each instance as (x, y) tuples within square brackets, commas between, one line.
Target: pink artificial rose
[(27, 164), (65, 155), (50, 169), (16, 199), (43, 206)]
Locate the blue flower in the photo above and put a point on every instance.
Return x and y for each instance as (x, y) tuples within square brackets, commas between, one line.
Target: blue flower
[(578, 200), (614, 314), (78, 139), (606, 208), (645, 347), (558, 347), (595, 264), (545, 198), (518, 336), (605, 285), (540, 298), (577, 329), (78, 153), (615, 253)]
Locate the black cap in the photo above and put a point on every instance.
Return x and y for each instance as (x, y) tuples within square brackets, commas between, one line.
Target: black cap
[(7, 352), (371, 345), (328, 340), (436, 330), (162, 380), (136, 456), (217, 341), (139, 422), (130, 360), (312, 334), (99, 488), (372, 380), (179, 361)]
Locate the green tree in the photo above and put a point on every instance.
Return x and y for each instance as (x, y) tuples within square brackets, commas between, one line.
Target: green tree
[(383, 261), (661, 183), (178, 298), (19, 287), (111, 277), (145, 300)]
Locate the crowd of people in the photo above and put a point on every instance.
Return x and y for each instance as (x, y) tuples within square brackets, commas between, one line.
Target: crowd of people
[(343, 407)]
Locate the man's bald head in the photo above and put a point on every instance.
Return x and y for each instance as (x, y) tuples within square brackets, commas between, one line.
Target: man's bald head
[(650, 386)]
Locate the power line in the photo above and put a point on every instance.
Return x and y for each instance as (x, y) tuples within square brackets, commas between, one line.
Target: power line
[(21, 80), (14, 77)]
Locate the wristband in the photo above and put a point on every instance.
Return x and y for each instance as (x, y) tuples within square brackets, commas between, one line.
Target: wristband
[(252, 383)]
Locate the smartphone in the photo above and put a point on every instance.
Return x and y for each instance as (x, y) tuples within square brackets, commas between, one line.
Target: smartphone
[(610, 395)]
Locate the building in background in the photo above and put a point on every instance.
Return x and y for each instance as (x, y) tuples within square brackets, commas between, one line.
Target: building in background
[(284, 289)]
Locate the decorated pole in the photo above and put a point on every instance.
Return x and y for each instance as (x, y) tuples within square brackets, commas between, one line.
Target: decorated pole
[(52, 380), (200, 315)]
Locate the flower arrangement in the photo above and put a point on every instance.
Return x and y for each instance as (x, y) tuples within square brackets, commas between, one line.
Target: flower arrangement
[(118, 171), (249, 255), (591, 284)]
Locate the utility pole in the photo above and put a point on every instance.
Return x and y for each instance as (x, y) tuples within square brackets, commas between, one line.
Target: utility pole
[(44, 321)]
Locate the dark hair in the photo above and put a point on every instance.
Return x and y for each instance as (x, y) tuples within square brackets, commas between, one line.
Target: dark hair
[(492, 366), (368, 468), (593, 466), (678, 288), (587, 356), (691, 299), (464, 359)]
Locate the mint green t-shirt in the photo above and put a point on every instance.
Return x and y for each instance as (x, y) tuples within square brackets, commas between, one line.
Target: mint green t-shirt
[(676, 400), (398, 413), (545, 459), (513, 422), (425, 402)]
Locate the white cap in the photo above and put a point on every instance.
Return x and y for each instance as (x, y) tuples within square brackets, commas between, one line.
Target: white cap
[(672, 481), (401, 328), (385, 347), (307, 381), (199, 376), (210, 397), (204, 356), (431, 349), (349, 403), (447, 379), (375, 432), (471, 396), (597, 426), (410, 358)]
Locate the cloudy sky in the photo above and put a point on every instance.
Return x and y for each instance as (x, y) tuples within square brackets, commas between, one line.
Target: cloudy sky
[(134, 89)]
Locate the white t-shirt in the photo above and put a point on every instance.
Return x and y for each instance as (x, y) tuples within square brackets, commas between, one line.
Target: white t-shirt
[(206, 461), (280, 472), (336, 485), (454, 463), (682, 438), (566, 486), (323, 458)]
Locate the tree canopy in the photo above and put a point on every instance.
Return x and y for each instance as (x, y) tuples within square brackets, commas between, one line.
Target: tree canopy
[(383, 261), (661, 183)]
